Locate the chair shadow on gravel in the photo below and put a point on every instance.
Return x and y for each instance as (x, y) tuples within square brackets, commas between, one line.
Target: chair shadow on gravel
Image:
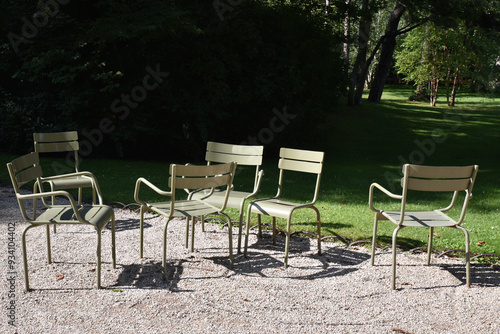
[(262, 255), (479, 275), (129, 224), (148, 275)]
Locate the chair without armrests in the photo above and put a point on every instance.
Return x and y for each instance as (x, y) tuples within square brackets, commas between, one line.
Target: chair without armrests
[(429, 179), (188, 177), (27, 169), (243, 155), (290, 160)]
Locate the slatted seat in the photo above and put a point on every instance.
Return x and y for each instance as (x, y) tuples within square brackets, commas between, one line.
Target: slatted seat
[(429, 179)]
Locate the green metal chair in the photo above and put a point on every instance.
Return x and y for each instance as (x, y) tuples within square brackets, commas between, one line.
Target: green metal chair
[(26, 169), (428, 179), (188, 177), (243, 155), (301, 161), (64, 142)]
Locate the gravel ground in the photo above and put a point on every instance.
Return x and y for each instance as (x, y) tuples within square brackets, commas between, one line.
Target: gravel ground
[(337, 292)]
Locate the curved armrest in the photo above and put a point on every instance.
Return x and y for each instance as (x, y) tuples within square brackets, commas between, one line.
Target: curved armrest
[(51, 194), (95, 185), (150, 185), (257, 184), (385, 191)]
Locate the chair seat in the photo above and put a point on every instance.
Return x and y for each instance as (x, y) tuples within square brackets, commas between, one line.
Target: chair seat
[(217, 198), (70, 182), (97, 215), (434, 218), (274, 207), (183, 209)]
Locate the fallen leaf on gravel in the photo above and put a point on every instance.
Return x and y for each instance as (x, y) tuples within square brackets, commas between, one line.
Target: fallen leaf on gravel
[(245, 300), (397, 330), (481, 242), (405, 283), (279, 268), (59, 277), (92, 270)]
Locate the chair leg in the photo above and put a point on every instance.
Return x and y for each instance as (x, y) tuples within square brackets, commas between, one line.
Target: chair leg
[(193, 223), (247, 229), (287, 241), (429, 246), (259, 222), (25, 258), (113, 243), (203, 223), (394, 235), (240, 229), (187, 232), (374, 239), (319, 229), (141, 232), (49, 254), (230, 232), (98, 259), (274, 230), (164, 255), (467, 255)]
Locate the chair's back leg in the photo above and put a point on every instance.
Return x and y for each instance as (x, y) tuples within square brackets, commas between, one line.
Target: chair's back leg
[(429, 246)]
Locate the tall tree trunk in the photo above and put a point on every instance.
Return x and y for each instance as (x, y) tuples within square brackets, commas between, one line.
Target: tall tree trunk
[(454, 89), (388, 46), (345, 48), (358, 75)]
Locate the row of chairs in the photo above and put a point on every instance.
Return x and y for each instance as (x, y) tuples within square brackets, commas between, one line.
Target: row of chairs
[(210, 190)]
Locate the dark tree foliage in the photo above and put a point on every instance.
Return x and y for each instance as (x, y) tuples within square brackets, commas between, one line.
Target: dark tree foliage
[(143, 79)]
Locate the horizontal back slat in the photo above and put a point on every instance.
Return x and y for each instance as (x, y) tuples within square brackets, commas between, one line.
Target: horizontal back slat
[(201, 182), (300, 166), (248, 160), (438, 185), (57, 147), (201, 171), (235, 149), (28, 175), (24, 162), (440, 172), (290, 153), (55, 136)]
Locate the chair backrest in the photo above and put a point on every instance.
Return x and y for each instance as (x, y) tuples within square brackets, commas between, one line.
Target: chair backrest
[(301, 161), (53, 142), (440, 179), (201, 177), (24, 170), (243, 155)]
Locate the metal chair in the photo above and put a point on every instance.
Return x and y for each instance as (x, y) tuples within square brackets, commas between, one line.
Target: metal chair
[(188, 177), (301, 161), (429, 179), (243, 155), (27, 169)]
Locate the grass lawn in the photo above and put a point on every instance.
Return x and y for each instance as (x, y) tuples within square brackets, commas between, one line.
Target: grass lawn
[(364, 145)]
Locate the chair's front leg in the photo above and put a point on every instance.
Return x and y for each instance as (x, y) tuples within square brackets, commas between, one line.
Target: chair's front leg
[(467, 255), (164, 255), (141, 232), (274, 230), (240, 229), (98, 252), (49, 254), (394, 236), (429, 246), (287, 241), (318, 217), (113, 242), (25, 258), (193, 223), (230, 232), (374, 238)]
